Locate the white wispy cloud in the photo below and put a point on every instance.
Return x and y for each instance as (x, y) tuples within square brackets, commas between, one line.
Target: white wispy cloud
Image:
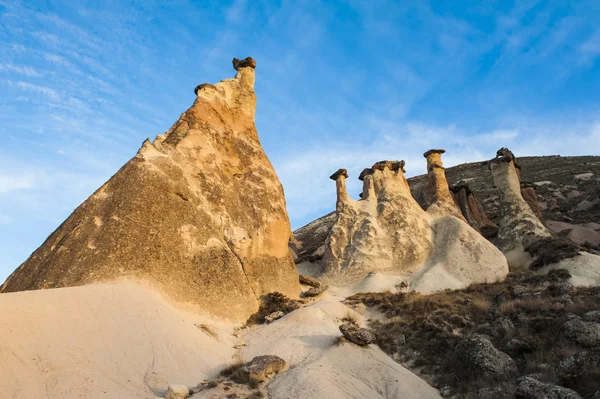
[(16, 182), (23, 70), (46, 91)]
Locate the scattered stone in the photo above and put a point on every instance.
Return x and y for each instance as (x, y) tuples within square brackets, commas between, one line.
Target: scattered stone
[(479, 354), (573, 364), (315, 291), (581, 235), (262, 367), (585, 333), (593, 316), (274, 316), (357, 335), (177, 391), (518, 346), (498, 392), (310, 281), (529, 388)]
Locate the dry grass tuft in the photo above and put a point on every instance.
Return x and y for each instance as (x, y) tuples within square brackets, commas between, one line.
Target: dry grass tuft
[(270, 303), (423, 331), (235, 373)]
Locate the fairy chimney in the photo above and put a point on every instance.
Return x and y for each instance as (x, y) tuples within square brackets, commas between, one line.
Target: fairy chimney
[(199, 213)]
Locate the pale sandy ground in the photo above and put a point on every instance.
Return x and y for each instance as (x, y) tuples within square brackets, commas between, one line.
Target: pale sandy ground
[(122, 340), (101, 341)]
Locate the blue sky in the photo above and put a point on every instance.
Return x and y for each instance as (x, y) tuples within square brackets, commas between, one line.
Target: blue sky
[(339, 84)]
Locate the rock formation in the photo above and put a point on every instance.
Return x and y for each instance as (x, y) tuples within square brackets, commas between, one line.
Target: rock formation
[(388, 232), (518, 225), (528, 194), (199, 212), (472, 210), (442, 202)]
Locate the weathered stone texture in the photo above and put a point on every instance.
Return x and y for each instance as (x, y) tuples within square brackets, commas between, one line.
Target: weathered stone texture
[(199, 212)]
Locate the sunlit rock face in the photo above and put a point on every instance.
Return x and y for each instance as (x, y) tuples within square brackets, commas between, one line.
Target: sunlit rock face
[(388, 232), (199, 212)]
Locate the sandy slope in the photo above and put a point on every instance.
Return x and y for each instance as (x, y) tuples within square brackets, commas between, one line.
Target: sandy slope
[(320, 367), (100, 341), (123, 340)]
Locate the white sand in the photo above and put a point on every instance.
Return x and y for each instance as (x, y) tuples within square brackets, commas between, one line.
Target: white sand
[(101, 341), (122, 340), (320, 368)]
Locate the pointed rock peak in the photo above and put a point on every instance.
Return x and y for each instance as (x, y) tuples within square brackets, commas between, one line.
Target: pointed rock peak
[(247, 62), (340, 173)]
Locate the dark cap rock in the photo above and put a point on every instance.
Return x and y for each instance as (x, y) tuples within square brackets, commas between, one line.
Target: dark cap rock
[(204, 86), (340, 172), (247, 62), (391, 165), (433, 151), (364, 173)]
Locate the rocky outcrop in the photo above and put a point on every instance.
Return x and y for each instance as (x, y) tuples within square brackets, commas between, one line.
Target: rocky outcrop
[(388, 232), (585, 333), (472, 210), (479, 354), (566, 189), (199, 212), (518, 225), (530, 388)]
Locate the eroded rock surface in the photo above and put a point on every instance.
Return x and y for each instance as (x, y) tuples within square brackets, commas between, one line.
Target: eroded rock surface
[(199, 212), (357, 335), (518, 225), (262, 367), (480, 355), (472, 210), (530, 388), (388, 232)]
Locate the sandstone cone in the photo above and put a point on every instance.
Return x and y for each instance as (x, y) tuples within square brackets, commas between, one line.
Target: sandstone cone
[(199, 212)]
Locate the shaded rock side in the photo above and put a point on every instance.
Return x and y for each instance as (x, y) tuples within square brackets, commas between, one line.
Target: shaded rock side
[(199, 212), (472, 210)]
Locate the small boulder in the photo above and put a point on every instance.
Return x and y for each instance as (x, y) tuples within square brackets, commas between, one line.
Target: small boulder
[(581, 235), (585, 333), (310, 281), (480, 355), (593, 316), (357, 335), (529, 388), (315, 291), (262, 367), (177, 391), (274, 316)]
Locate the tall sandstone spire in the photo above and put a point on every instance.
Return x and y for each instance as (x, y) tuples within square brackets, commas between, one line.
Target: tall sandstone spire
[(199, 212)]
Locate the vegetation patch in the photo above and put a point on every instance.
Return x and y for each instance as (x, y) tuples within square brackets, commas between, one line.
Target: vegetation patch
[(273, 302), (524, 317)]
